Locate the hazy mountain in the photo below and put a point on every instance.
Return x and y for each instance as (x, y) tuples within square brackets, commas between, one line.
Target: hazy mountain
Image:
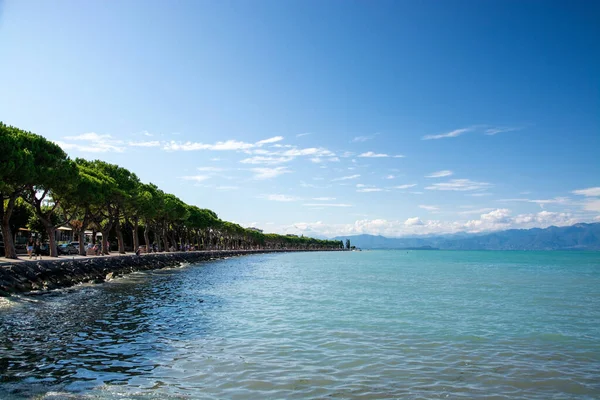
[(575, 237)]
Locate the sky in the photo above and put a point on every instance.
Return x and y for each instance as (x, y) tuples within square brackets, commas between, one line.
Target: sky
[(324, 118)]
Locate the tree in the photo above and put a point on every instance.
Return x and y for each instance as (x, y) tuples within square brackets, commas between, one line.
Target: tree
[(54, 175), (146, 205), (347, 244), (16, 173), (110, 213), (90, 188), (38, 170), (173, 213), (98, 195)]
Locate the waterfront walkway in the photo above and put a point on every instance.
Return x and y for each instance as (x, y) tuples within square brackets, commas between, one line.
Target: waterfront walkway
[(25, 258)]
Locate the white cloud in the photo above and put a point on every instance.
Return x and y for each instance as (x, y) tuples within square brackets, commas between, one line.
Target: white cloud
[(494, 131), (478, 211), (197, 178), (327, 205), (494, 220), (405, 186), (228, 145), (153, 143), (370, 190), (266, 160), (454, 133), (592, 191), (459, 185), (545, 219), (311, 151), (390, 177), (311, 185), (370, 154), (429, 208), (270, 140), (219, 146), (304, 134), (98, 147), (439, 174), (279, 197), (210, 169), (500, 219), (95, 143), (345, 178), (540, 202), (479, 194), (415, 221), (90, 137), (323, 198), (268, 173), (360, 139), (592, 205), (146, 133), (260, 152), (347, 154)]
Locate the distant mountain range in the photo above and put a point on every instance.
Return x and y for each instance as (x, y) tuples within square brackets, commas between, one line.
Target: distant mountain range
[(575, 237)]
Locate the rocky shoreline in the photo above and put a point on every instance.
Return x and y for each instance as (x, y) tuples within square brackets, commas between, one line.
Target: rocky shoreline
[(43, 276)]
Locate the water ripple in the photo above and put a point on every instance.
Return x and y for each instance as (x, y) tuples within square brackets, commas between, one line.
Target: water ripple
[(372, 325)]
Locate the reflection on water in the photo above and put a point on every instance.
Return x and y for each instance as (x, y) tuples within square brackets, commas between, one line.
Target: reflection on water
[(83, 338), (347, 325)]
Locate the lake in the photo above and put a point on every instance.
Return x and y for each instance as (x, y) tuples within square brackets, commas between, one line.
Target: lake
[(355, 325)]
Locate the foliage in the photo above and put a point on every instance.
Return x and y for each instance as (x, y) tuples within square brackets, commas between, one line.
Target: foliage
[(21, 215), (41, 185)]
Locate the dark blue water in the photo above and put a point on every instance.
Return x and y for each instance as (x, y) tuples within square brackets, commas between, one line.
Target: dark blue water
[(378, 324)]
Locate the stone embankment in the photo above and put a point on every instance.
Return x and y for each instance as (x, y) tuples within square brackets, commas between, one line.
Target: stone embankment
[(42, 276)]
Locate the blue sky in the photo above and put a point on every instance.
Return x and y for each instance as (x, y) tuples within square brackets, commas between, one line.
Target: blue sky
[(324, 118)]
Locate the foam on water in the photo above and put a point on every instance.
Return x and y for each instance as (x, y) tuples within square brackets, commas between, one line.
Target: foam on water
[(380, 324)]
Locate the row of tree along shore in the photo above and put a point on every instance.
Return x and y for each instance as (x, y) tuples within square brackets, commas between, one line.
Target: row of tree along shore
[(38, 178)]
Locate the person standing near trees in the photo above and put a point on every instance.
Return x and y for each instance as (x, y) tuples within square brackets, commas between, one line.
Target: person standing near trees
[(30, 244), (38, 250)]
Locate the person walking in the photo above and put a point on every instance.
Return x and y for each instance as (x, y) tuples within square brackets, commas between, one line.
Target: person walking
[(30, 244), (38, 250)]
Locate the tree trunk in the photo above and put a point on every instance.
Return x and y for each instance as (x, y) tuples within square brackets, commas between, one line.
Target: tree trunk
[(5, 213), (147, 236), (120, 237), (105, 232), (52, 238), (165, 240), (82, 251), (9, 244), (136, 239), (173, 240)]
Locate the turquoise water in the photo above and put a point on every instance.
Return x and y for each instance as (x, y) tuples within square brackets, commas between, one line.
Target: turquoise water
[(357, 325)]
